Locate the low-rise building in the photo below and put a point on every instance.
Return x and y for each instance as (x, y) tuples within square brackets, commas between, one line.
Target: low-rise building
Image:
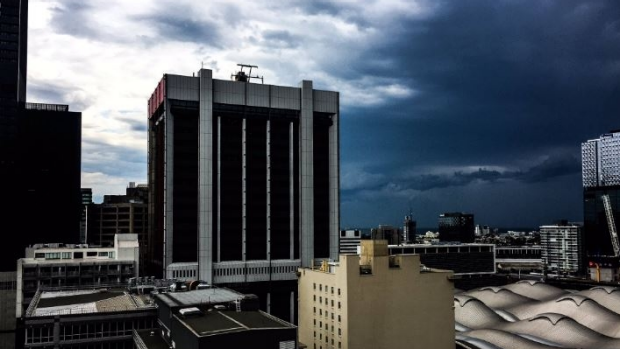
[(215, 318), (66, 265), (86, 318), (376, 300)]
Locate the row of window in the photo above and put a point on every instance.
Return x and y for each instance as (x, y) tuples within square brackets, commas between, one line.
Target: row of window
[(326, 288), (74, 255)]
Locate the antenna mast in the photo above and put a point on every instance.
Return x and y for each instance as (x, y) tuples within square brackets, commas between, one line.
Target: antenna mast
[(246, 77)]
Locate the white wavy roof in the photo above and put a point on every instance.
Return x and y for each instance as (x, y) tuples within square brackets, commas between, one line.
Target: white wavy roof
[(536, 315)]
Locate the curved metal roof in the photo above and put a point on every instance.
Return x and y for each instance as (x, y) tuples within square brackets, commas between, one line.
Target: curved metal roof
[(484, 339), (536, 315), (499, 298)]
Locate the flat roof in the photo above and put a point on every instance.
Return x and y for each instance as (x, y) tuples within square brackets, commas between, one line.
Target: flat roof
[(213, 295), (152, 342), (50, 303), (214, 322)]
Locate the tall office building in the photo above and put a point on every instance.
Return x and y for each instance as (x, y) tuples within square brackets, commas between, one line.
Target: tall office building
[(601, 197), (456, 226), (13, 59), (87, 199), (243, 179)]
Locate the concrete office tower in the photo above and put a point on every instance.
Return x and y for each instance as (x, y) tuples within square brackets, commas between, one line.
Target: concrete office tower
[(456, 226), (243, 178), (601, 204), (375, 300), (562, 248)]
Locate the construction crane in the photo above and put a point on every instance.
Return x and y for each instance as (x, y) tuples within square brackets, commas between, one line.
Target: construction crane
[(612, 225)]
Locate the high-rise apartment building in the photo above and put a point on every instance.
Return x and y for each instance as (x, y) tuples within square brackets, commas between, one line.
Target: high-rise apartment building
[(243, 179), (376, 300), (456, 226), (562, 248), (601, 199)]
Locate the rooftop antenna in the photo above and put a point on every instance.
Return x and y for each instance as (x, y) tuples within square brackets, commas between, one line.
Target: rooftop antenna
[(246, 77)]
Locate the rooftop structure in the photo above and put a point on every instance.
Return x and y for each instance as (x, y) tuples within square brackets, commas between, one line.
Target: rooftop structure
[(214, 317), (77, 266)]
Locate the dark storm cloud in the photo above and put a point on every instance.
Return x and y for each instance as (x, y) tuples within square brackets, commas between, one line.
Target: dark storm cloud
[(280, 38), (73, 17), (135, 125), (113, 160), (173, 28), (551, 168), (45, 92), (499, 83)]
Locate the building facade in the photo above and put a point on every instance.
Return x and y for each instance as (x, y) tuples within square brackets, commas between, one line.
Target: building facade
[(601, 187), (87, 199), (375, 300), (75, 266), (562, 248), (120, 214), (456, 226), (350, 240), (243, 179)]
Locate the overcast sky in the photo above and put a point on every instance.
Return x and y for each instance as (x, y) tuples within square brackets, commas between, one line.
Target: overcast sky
[(473, 106)]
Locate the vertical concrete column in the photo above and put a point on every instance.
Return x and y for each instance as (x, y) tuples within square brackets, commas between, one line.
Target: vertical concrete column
[(168, 185), (292, 302), (268, 211), (291, 189), (205, 176), (244, 187), (306, 170), (334, 186), (219, 186)]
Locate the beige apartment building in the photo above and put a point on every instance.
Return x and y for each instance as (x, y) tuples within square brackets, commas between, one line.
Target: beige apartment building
[(374, 301)]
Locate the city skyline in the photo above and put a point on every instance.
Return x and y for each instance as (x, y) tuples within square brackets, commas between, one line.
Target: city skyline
[(478, 107)]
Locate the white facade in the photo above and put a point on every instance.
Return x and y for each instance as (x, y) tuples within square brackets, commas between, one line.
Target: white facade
[(600, 160), (561, 248)]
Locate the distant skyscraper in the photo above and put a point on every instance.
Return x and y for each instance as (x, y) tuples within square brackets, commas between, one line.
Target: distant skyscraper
[(409, 228), (562, 248), (601, 198), (87, 199), (243, 179), (456, 226)]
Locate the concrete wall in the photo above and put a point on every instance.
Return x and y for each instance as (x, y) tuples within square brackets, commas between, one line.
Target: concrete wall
[(394, 307)]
